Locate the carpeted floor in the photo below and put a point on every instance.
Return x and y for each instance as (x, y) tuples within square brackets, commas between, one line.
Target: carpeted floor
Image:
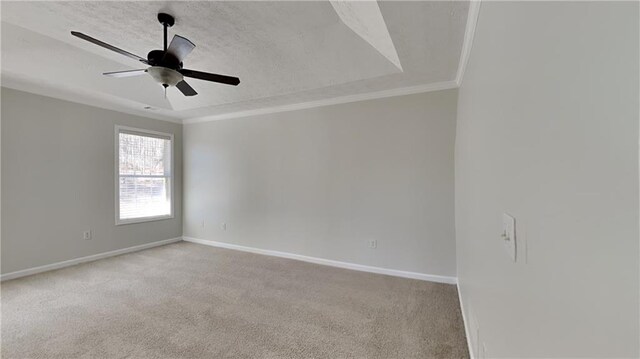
[(186, 300)]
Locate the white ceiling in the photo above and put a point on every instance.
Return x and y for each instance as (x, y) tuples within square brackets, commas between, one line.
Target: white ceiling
[(283, 52)]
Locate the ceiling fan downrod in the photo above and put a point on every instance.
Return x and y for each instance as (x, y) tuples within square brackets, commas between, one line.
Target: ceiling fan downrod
[(167, 21)]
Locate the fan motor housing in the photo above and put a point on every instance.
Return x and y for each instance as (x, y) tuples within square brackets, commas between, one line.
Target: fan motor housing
[(159, 58)]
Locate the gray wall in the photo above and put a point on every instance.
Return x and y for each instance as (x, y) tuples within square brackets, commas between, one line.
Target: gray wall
[(548, 131), (322, 182), (58, 180)]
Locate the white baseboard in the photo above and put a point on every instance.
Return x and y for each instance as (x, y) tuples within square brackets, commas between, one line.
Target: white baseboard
[(464, 322), (71, 262), (327, 262)]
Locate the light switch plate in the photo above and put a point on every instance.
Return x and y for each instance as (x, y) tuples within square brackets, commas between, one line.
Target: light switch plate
[(508, 235)]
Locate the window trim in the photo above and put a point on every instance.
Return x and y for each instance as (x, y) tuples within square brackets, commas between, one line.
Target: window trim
[(118, 130)]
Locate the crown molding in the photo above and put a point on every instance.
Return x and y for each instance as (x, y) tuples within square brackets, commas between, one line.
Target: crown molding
[(329, 101), (470, 29), (104, 101), (469, 33)]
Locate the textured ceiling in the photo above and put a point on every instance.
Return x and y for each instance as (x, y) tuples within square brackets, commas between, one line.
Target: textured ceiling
[(283, 52)]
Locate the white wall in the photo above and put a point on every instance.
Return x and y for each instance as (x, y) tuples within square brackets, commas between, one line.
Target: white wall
[(322, 182), (548, 131), (58, 180)]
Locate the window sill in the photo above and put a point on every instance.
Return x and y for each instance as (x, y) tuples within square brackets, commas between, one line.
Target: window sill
[(120, 222)]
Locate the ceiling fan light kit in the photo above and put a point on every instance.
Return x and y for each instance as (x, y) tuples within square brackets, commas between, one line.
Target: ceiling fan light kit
[(166, 65), (165, 76)]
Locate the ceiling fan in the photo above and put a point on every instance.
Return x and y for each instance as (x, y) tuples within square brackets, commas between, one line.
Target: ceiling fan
[(165, 65)]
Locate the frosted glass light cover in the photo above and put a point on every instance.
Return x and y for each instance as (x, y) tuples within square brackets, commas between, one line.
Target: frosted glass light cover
[(165, 75)]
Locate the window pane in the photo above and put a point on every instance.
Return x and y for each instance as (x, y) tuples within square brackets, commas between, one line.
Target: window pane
[(141, 155), (144, 197)]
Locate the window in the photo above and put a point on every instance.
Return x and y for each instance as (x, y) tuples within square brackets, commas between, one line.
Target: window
[(144, 175)]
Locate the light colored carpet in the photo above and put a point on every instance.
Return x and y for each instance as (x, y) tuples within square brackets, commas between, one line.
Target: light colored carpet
[(186, 300)]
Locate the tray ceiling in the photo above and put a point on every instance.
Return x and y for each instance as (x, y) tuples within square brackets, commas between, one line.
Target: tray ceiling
[(283, 52)]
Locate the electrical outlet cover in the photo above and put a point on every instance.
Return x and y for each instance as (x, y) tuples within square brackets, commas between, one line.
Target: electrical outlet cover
[(508, 235)]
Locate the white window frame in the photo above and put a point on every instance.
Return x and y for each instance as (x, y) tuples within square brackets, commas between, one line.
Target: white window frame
[(141, 131)]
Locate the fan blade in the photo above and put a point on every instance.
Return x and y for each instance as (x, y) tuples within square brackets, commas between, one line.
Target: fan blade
[(128, 73), (180, 47), (229, 80), (107, 46), (186, 90)]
